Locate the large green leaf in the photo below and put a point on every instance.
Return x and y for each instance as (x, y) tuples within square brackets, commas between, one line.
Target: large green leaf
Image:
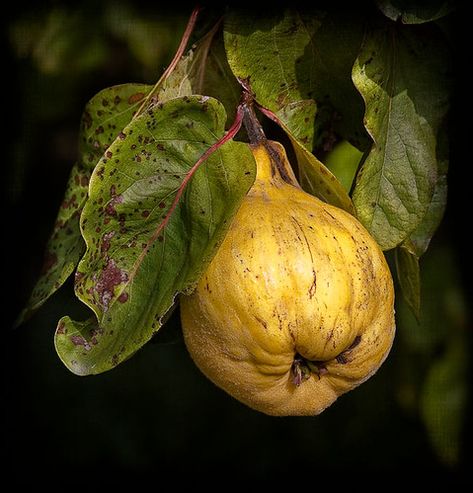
[(402, 74), (271, 53), (317, 180), (297, 62), (142, 248), (103, 118), (201, 70)]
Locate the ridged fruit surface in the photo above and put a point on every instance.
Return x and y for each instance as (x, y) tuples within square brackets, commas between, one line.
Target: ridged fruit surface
[(296, 308)]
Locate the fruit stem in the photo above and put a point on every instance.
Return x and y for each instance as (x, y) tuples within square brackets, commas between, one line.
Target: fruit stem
[(250, 120)]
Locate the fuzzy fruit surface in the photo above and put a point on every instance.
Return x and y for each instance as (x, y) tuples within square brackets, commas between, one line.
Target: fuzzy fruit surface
[(297, 306)]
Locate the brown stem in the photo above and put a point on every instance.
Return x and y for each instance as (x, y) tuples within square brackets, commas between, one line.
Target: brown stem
[(250, 120)]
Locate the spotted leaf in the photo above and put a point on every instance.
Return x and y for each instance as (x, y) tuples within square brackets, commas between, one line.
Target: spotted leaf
[(143, 248), (103, 118)]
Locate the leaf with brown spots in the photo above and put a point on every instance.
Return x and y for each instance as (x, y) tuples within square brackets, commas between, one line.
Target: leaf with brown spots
[(143, 246), (202, 70), (103, 118)]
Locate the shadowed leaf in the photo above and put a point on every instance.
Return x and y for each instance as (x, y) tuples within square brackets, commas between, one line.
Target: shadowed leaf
[(407, 267), (444, 401), (409, 12), (402, 74)]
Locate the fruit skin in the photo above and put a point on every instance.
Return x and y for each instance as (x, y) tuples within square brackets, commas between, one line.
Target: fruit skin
[(296, 308)]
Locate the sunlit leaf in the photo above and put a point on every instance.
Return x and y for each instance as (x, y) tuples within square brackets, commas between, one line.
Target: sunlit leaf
[(103, 118), (298, 62), (141, 253), (270, 52)]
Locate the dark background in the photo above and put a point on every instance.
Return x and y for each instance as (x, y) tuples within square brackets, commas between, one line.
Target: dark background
[(156, 418)]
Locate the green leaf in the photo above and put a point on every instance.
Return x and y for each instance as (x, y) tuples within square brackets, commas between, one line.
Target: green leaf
[(104, 116), (402, 74), (299, 63), (218, 79), (408, 273), (141, 253), (419, 239), (409, 12), (314, 177), (343, 161), (444, 400), (317, 180), (271, 52), (103, 119)]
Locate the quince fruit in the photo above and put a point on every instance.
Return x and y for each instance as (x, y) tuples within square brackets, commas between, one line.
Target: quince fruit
[(297, 306)]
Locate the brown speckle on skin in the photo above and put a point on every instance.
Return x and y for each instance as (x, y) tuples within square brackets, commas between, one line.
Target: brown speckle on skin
[(262, 322), (313, 286)]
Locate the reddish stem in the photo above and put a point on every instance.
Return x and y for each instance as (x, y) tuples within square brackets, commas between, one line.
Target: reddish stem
[(269, 114), (180, 51), (185, 39), (232, 131)]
